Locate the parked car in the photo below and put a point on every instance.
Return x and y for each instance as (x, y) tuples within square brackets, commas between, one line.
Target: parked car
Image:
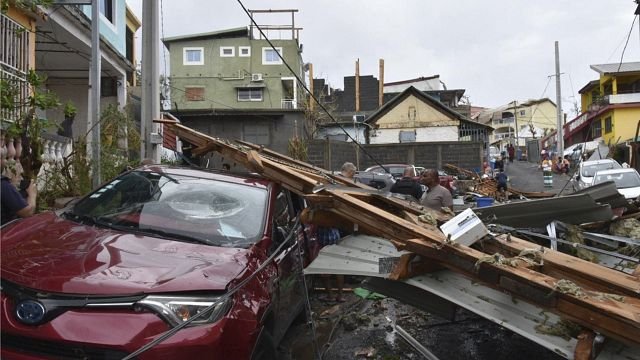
[(378, 181), (146, 252), (397, 171), (627, 181), (587, 169)]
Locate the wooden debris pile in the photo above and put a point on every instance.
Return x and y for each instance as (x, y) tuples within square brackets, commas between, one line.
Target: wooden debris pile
[(336, 199), (488, 186)]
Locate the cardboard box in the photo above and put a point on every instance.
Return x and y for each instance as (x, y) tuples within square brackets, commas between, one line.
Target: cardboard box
[(465, 228)]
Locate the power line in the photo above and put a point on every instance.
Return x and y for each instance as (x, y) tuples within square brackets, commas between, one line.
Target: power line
[(627, 42), (302, 84)]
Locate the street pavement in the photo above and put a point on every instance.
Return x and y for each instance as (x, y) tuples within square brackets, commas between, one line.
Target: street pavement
[(527, 176)]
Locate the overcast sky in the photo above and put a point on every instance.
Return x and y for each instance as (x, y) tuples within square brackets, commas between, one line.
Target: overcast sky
[(498, 51)]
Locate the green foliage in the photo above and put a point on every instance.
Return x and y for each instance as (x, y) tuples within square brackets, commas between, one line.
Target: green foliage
[(120, 143), (28, 126), (298, 149), (30, 5), (70, 110)]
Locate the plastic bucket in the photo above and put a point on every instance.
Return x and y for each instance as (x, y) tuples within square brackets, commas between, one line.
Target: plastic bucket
[(484, 201)]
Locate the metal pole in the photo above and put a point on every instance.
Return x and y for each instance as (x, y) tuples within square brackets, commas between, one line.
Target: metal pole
[(560, 143), (93, 121), (515, 120), (150, 79)]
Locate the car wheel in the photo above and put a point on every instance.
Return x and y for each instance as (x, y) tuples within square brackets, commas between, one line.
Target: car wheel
[(265, 348)]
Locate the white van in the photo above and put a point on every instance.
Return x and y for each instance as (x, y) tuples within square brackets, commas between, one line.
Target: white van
[(587, 170)]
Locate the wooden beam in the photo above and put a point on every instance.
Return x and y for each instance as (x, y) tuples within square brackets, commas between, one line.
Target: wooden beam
[(615, 314)]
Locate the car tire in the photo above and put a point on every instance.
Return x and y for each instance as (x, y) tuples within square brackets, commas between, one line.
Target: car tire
[(265, 348)]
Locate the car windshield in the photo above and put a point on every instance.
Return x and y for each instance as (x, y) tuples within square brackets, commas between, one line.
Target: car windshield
[(395, 171), (178, 207), (590, 170), (623, 180)]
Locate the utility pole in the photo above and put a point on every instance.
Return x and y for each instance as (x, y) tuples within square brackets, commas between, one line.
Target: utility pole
[(381, 83), (357, 85), (93, 120), (560, 122), (515, 120), (150, 80), (311, 101)]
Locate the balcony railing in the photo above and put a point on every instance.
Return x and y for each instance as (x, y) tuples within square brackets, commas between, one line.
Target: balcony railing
[(54, 149), (14, 65), (623, 98), (509, 120), (288, 104)]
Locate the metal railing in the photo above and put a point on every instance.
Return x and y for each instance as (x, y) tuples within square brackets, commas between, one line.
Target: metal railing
[(288, 104), (14, 65)]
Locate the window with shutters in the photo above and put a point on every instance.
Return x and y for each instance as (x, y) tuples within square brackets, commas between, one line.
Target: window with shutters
[(250, 94), (608, 125), (597, 128), (194, 93)]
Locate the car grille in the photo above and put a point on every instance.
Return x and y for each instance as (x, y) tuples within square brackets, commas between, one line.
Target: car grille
[(58, 350)]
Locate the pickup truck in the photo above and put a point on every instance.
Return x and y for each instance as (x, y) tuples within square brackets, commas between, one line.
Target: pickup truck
[(397, 170)]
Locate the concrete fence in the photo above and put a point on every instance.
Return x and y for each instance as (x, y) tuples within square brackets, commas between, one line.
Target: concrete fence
[(331, 154)]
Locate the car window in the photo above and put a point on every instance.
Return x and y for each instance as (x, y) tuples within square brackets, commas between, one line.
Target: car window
[(209, 211), (590, 170), (622, 180)]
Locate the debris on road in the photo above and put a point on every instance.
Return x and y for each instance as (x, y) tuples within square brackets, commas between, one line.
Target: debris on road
[(375, 213)]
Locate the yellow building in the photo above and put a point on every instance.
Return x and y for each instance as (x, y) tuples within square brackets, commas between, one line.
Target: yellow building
[(520, 121), (610, 106)]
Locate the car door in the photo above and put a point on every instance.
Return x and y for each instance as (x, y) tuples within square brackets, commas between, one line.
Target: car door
[(288, 263)]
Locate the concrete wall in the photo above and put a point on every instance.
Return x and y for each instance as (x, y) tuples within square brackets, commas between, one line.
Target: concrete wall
[(332, 154), (231, 127), (75, 91), (113, 32), (625, 122)]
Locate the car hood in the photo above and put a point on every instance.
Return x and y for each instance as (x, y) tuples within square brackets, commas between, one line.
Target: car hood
[(51, 254), (630, 193)]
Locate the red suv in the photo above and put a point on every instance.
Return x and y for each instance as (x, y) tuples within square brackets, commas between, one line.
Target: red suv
[(147, 252)]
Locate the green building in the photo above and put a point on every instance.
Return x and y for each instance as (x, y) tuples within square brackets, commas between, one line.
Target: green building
[(232, 84)]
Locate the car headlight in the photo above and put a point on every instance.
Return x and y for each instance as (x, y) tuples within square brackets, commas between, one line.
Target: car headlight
[(178, 309)]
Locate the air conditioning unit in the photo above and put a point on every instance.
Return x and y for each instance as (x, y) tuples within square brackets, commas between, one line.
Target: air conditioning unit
[(256, 77)]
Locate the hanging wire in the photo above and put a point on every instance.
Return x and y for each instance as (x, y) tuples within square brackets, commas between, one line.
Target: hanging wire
[(627, 42), (302, 84)]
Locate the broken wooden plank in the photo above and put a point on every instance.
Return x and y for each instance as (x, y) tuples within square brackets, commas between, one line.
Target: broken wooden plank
[(617, 319)]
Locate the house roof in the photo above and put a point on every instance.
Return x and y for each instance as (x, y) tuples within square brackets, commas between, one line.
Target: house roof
[(589, 86), (228, 33), (486, 115), (421, 78), (617, 68), (421, 96)]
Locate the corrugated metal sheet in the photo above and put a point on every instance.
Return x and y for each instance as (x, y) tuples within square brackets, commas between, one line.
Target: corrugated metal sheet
[(370, 256)]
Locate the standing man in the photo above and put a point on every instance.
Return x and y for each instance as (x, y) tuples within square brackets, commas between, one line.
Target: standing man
[(408, 185), (437, 196), (547, 174), (348, 170), (13, 204), (511, 150)]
